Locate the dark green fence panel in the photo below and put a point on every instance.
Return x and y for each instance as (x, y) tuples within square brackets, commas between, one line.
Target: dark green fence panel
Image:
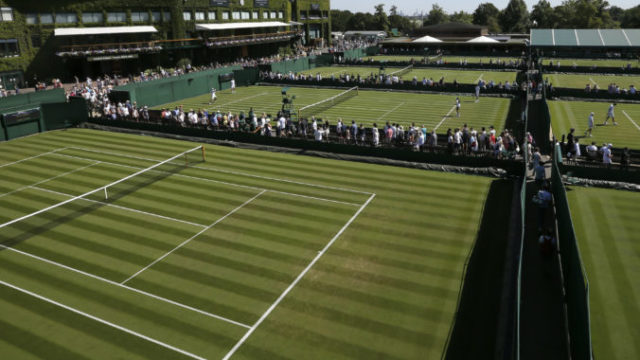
[(576, 283), (246, 77), (63, 115), (31, 100), (23, 129)]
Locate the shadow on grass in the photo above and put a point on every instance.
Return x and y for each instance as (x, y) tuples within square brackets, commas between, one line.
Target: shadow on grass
[(476, 325)]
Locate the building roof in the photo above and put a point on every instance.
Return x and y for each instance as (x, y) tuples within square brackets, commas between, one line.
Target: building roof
[(585, 37), (482, 39), (240, 25), (427, 39), (104, 30), (454, 26), (366, 32)]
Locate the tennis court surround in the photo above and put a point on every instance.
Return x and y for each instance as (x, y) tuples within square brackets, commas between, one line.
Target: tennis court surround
[(249, 254)]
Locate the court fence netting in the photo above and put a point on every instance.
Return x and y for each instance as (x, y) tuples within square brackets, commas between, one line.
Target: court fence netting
[(112, 191), (326, 104)]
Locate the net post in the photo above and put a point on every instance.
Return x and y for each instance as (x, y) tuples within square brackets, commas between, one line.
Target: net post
[(204, 156), (186, 160), (106, 194)]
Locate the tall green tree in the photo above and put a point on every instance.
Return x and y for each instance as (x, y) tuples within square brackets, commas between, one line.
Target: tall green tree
[(461, 17), (340, 19), (487, 14), (381, 18), (631, 18), (436, 16), (393, 11), (544, 16), (585, 14), (515, 17)]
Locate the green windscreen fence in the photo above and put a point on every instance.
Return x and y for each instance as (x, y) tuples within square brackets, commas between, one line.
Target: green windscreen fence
[(295, 66), (20, 102), (63, 115), (575, 278), (163, 91)]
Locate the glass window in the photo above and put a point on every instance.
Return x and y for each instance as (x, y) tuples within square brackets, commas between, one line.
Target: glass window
[(273, 15), (200, 16), (6, 13), (139, 16), (155, 15), (280, 14), (117, 17), (46, 18), (212, 15), (245, 15), (236, 15), (92, 17), (9, 47), (186, 15), (225, 15), (66, 18), (256, 15), (32, 19), (166, 16)]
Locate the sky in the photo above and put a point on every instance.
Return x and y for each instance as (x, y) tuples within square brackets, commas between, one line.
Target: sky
[(410, 6)]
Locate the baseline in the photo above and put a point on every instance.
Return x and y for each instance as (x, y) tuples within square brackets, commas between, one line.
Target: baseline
[(630, 119), (102, 321), (389, 112), (33, 157), (138, 291), (193, 237), (295, 282), (444, 118)]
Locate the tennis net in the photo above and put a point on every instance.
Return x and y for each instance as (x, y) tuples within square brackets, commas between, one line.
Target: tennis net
[(402, 72), (324, 105), (131, 183)]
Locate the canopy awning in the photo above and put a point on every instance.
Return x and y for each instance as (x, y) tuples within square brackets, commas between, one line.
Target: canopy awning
[(427, 39), (104, 30), (483, 39), (240, 25)]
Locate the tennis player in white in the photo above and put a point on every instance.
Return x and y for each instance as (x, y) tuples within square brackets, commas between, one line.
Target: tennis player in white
[(213, 96), (611, 115), (589, 125), (233, 86)]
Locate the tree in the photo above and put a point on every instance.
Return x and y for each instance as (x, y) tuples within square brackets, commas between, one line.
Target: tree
[(461, 17), (585, 14), (381, 18), (393, 11), (617, 13), (340, 19), (631, 18), (487, 14), (515, 17), (543, 15), (436, 16)]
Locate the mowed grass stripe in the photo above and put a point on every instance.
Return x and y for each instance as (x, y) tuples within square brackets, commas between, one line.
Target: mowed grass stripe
[(366, 108), (581, 81), (405, 251), (574, 114), (137, 312), (606, 237)]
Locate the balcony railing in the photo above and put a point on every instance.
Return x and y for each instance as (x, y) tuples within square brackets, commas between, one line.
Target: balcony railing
[(238, 40), (81, 50)]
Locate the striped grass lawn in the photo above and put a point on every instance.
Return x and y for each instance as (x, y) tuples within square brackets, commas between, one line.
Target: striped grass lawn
[(581, 81), (447, 59), (574, 114), (367, 108), (591, 62), (606, 225), (462, 76), (190, 261)]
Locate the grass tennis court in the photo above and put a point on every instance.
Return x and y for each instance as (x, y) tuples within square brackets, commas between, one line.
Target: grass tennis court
[(447, 59), (574, 114), (462, 76), (581, 81), (250, 254), (591, 62), (368, 107), (607, 230)]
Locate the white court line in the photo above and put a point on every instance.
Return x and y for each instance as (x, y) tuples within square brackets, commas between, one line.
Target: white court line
[(102, 321), (240, 100), (594, 83), (479, 78), (220, 182), (230, 172), (630, 119), (389, 112), (32, 157), (295, 282), (49, 179), (122, 207), (193, 237), (444, 118), (111, 282)]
